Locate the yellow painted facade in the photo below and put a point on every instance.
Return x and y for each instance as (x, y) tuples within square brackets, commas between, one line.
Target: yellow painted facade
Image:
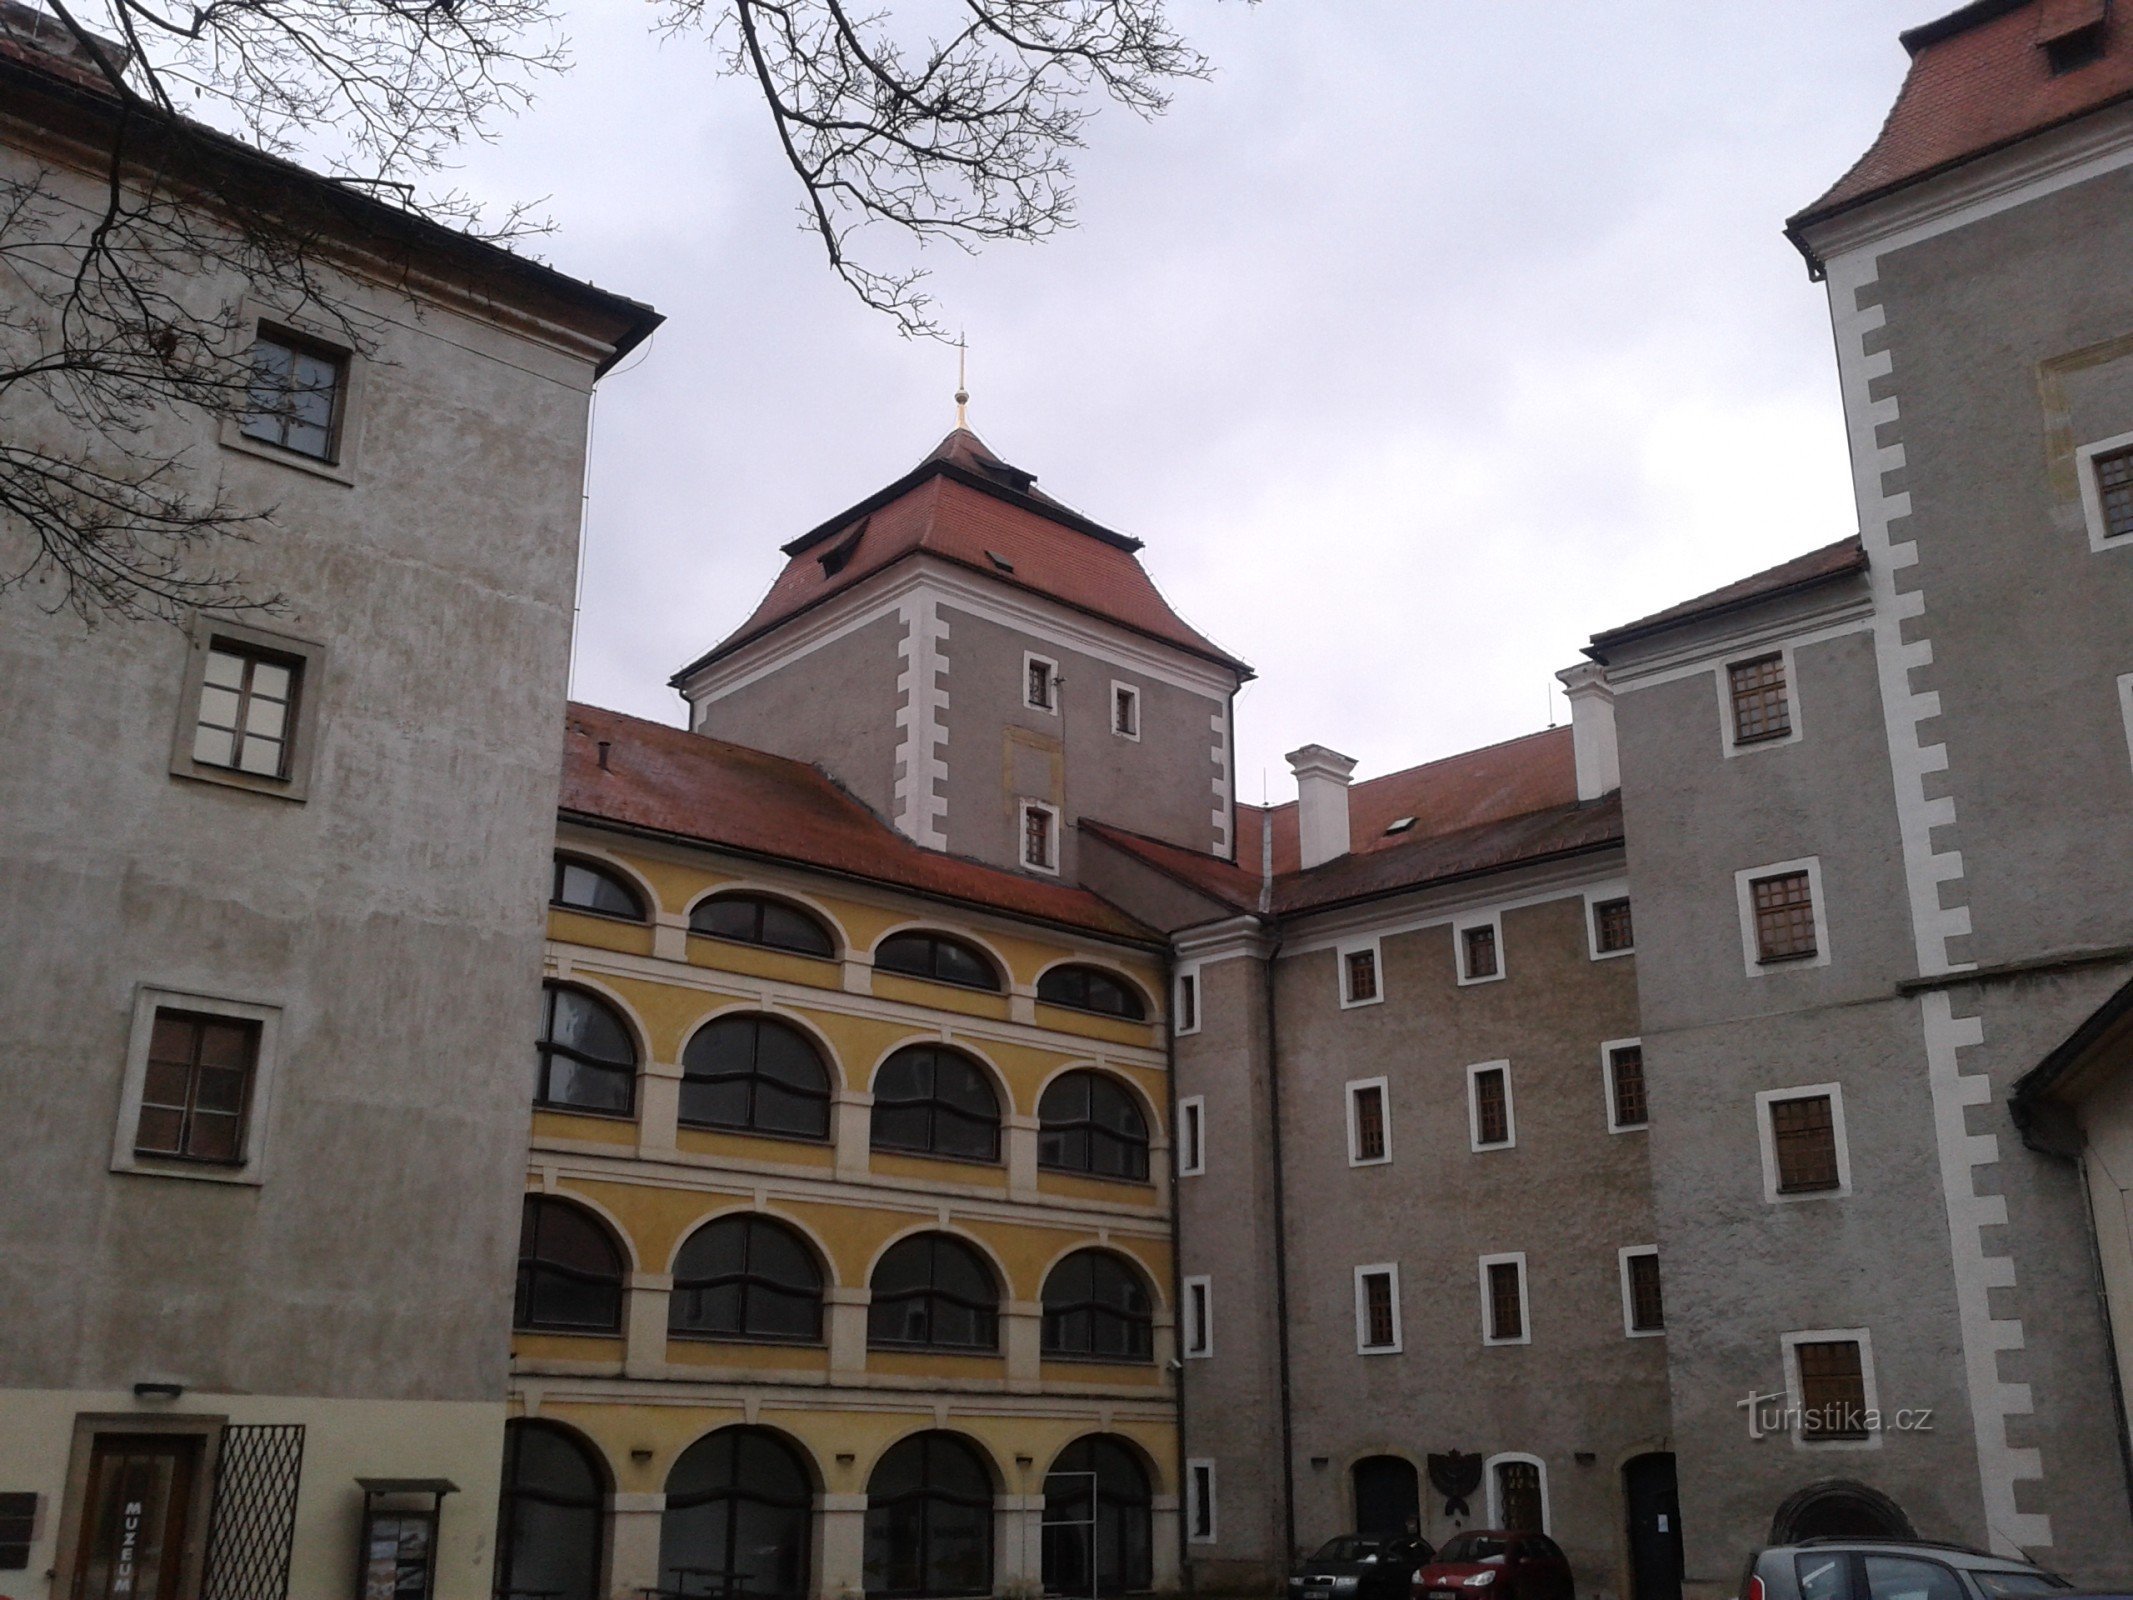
[(641, 1398)]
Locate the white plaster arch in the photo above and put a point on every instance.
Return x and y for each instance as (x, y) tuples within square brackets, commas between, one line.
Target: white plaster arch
[(1488, 1485), (840, 940)]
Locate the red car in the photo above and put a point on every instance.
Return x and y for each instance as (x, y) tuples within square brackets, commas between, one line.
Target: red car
[(1496, 1564)]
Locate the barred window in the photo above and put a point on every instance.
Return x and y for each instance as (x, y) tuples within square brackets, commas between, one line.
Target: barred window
[(1492, 1106), (1611, 923), (1832, 1389), (1761, 707), (1361, 969), (1803, 1131), (1188, 1001), (1647, 1311), (1478, 947), (2114, 485), (1126, 711), (1626, 1081), (1039, 843), (1507, 1311), (1037, 682), (1379, 1327), (1784, 917), (197, 1089), (1368, 1100)]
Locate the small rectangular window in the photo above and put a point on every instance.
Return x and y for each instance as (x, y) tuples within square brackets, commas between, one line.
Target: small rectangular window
[(1188, 1018), (1761, 708), (1369, 1137), (1360, 973), (1199, 1317), (1611, 927), (18, 1527), (1832, 1389), (1490, 1107), (1803, 1133), (2114, 491), (1477, 949), (1784, 917), (1040, 837), (1040, 683), (295, 400), (1125, 711), (1200, 1502), (1625, 1086), (1643, 1310), (1192, 1136), (1377, 1309), (1504, 1281), (197, 1087), (247, 715)]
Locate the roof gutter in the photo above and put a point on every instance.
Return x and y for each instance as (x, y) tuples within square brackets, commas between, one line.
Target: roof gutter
[(1637, 631), (1572, 853)]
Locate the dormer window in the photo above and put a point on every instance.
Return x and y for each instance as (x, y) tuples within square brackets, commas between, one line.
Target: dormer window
[(839, 553), (1040, 683), (2071, 34)]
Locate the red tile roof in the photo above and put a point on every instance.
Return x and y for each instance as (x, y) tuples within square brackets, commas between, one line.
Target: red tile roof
[(672, 782), (1980, 79), (1826, 565), (1479, 811), (964, 505)]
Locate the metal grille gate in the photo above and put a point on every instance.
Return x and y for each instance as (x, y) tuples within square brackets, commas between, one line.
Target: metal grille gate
[(254, 1518)]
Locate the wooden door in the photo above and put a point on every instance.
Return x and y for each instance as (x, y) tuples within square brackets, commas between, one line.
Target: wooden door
[(136, 1513)]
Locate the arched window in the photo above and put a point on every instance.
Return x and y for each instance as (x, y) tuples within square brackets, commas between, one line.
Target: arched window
[(1092, 989), (548, 1519), (569, 1270), (582, 885), (736, 1520), (586, 1061), (1091, 1123), (756, 1074), (937, 1102), (758, 919), (1098, 1480), (929, 1520), (938, 957), (746, 1277), (934, 1292), (1096, 1305)]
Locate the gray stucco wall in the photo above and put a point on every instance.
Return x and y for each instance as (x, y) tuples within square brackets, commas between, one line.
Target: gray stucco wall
[(395, 915)]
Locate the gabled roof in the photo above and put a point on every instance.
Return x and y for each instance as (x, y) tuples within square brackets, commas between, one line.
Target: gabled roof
[(680, 785), (1485, 810), (964, 505), (1827, 565), (1980, 79)]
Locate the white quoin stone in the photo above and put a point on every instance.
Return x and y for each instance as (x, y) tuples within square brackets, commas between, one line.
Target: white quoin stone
[(1592, 728), (1321, 801)]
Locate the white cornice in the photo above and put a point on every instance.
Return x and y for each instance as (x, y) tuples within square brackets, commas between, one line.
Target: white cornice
[(1830, 617), (1432, 906), (1241, 935)]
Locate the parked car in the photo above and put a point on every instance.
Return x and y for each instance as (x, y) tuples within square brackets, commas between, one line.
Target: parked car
[(1496, 1564), (1359, 1566), (1892, 1569)]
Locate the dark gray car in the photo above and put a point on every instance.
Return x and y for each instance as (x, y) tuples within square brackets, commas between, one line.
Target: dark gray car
[(1359, 1566), (1891, 1569)]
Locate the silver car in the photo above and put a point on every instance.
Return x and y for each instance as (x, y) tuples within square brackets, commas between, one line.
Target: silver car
[(1891, 1569)]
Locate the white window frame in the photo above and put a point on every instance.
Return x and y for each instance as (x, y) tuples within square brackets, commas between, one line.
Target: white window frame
[(1766, 1137), (1192, 1136), (1187, 974), (1488, 1478), (1111, 710), (1352, 1092), (1594, 898), (1198, 1342), (1023, 808), (1491, 919), (2125, 708), (1744, 899), (2092, 493), (1473, 1107), (1525, 1305), (259, 1109), (1607, 1085), (1347, 948), (1795, 1394), (1391, 1270), (1051, 677), (1630, 1330), (1724, 673), (1200, 1496)]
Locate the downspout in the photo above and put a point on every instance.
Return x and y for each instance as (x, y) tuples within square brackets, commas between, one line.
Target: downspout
[(1177, 1267), (1281, 1221)]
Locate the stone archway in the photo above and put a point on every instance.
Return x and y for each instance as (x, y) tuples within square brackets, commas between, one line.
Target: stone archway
[(1839, 1508)]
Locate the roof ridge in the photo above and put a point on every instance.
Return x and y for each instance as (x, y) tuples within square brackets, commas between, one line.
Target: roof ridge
[(1435, 761)]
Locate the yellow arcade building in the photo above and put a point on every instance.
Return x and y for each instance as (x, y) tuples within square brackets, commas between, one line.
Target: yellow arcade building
[(846, 1262)]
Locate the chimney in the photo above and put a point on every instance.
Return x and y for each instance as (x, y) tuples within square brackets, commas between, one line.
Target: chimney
[(1592, 728), (1321, 802)]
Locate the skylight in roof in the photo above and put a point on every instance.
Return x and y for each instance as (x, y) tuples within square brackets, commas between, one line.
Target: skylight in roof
[(1399, 825), (999, 561)]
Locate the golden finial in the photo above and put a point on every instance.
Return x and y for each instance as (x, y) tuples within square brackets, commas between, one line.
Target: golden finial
[(962, 386)]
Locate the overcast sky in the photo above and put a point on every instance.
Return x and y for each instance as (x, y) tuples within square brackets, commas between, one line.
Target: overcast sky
[(1422, 342)]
